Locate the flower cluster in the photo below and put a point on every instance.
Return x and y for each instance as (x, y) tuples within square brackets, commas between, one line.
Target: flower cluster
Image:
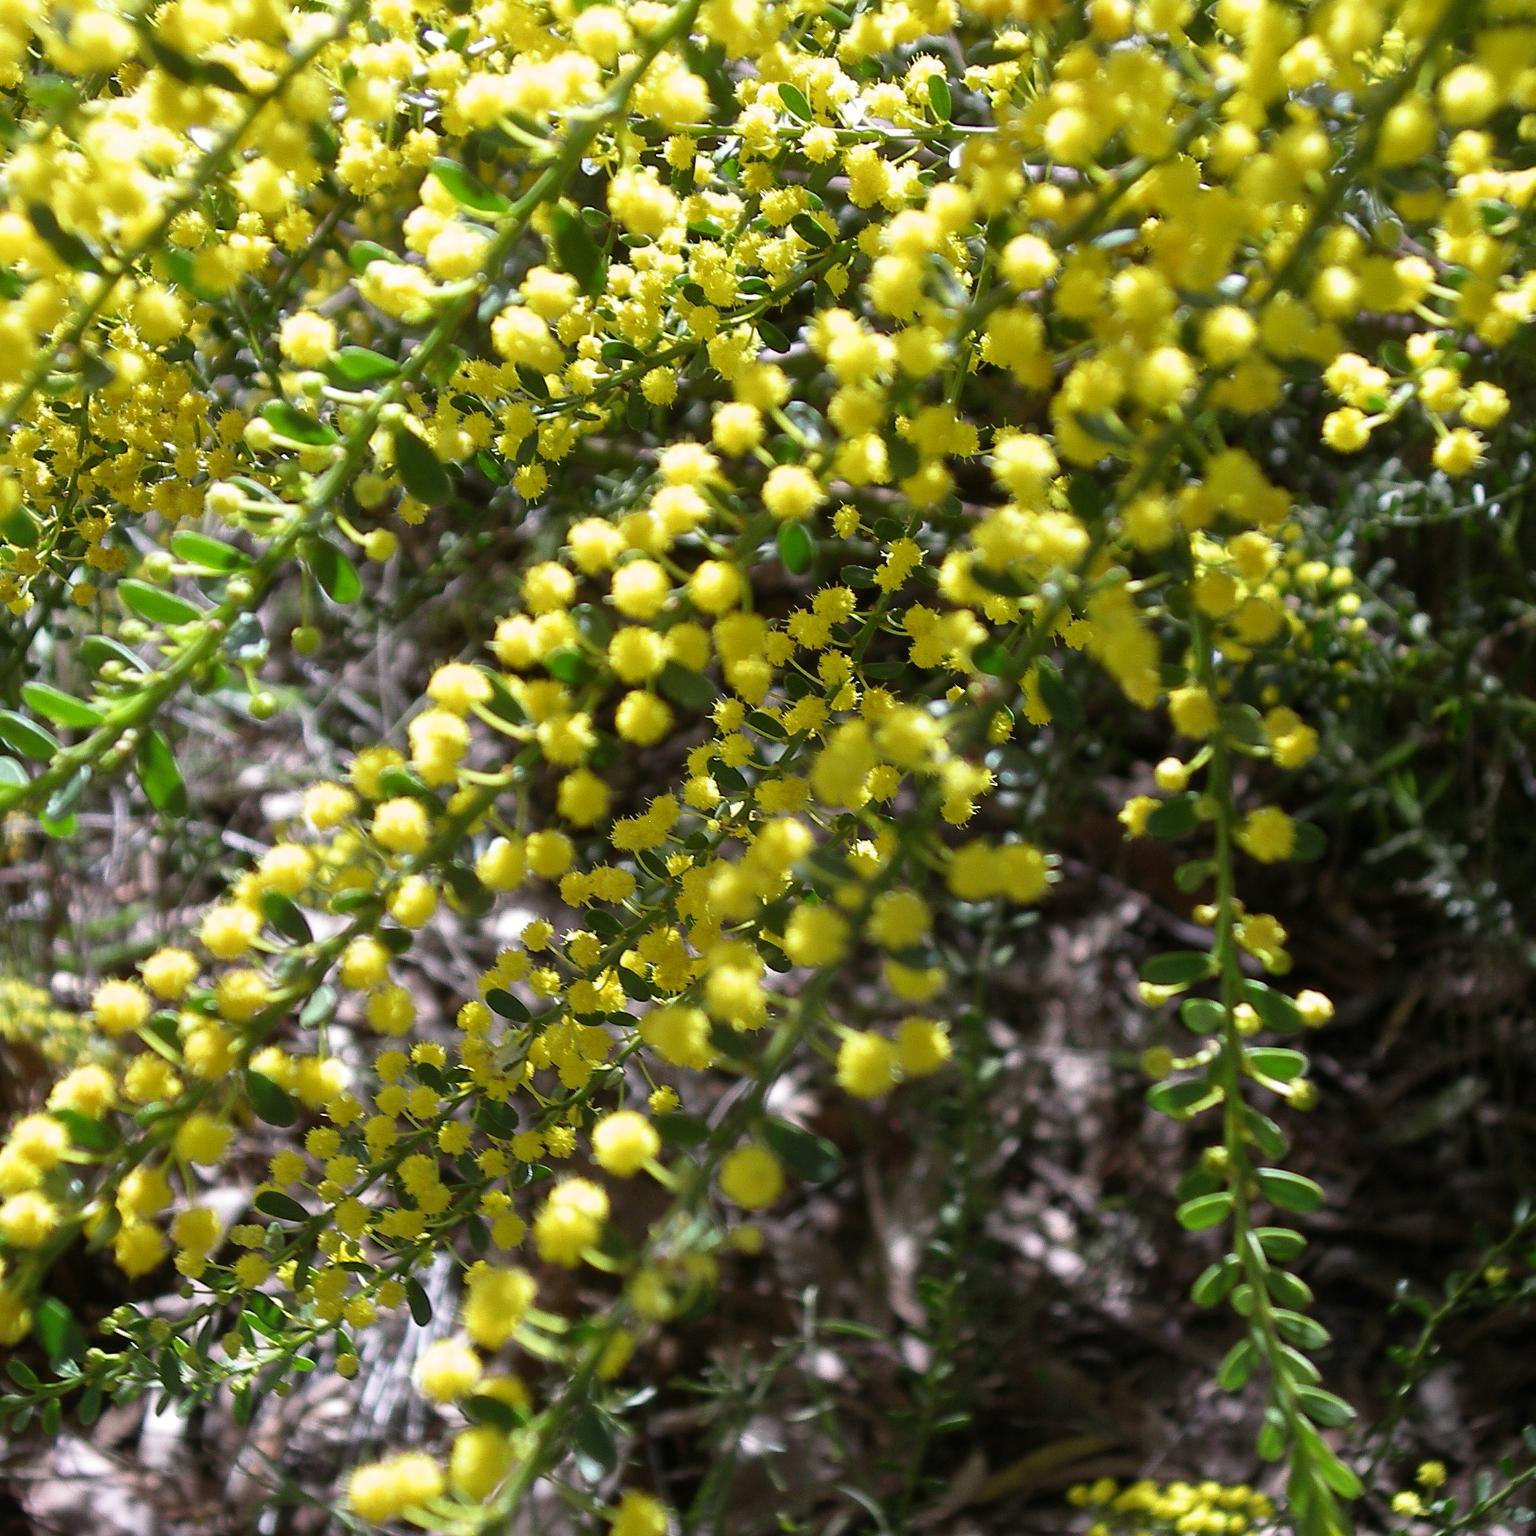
[(937, 342)]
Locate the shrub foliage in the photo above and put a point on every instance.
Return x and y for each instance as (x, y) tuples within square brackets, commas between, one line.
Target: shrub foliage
[(845, 417)]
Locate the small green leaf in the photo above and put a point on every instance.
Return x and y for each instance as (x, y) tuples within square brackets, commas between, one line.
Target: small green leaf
[(1310, 844), (1276, 1062), (155, 605), (567, 665), (21, 1373), (1178, 968), (481, 1409), (283, 913), (1202, 1015), (273, 1202), (940, 98), (421, 471), (62, 708), (1215, 1282), (25, 736), (1181, 1098), (85, 1132), (1280, 1243), (57, 1331), (811, 232), (593, 1438), (296, 425), (1237, 1367), (1175, 817), (97, 650), (69, 248), (498, 1000), (1205, 1211), (794, 102), (1277, 1011), (809, 1157), (335, 573), (419, 1302), (160, 775), (575, 249), (991, 657), (682, 1130), (271, 1102), (1290, 1191), (1302, 1331), (797, 547), (686, 688), (12, 775), (468, 189), (1324, 1408), (364, 253), (207, 554), (360, 365)]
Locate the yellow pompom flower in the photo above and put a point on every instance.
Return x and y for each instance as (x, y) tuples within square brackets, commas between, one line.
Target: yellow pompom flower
[(624, 1142), (751, 1177)]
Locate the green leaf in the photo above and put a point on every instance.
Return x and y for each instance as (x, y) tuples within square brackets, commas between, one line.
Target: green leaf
[(57, 1331), (12, 774), (1215, 1282), (811, 232), (991, 657), (794, 102), (155, 605), (680, 1129), (498, 1000), (1175, 817), (1179, 1098), (418, 1301), (481, 1409), (1290, 1191), (1302, 1331), (1310, 845), (421, 472), (797, 547), (593, 1438), (809, 1157), (1238, 1366), (21, 1373), (97, 650), (160, 775), (283, 913), (62, 802), (69, 248), (1277, 1011), (360, 365), (1202, 1015), (208, 554), (273, 1202), (1324, 1408), (364, 253), (25, 736), (940, 98), (686, 688), (567, 665), (62, 708), (1205, 1211), (335, 573), (575, 249), (85, 1132), (468, 189), (1276, 1062), (1280, 1243), (271, 1102), (296, 425), (1178, 968)]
